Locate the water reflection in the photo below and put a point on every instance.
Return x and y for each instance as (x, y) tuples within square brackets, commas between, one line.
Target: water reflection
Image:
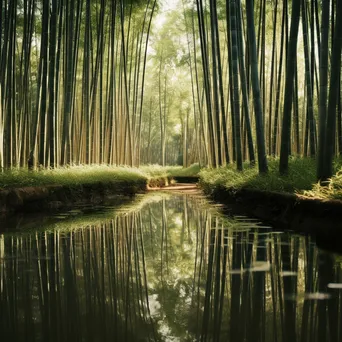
[(172, 269)]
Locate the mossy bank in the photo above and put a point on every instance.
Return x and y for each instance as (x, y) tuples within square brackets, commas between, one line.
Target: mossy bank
[(53, 189), (54, 197), (293, 202)]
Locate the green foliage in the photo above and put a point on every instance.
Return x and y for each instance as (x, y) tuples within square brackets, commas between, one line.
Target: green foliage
[(155, 172), (178, 171), (301, 178), (332, 191), (159, 176), (70, 176), (82, 174), (170, 171)]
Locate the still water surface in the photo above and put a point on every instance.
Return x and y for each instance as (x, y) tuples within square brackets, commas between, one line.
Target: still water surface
[(165, 268)]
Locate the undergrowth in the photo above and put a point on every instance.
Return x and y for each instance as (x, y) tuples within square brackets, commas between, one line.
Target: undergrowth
[(90, 174), (191, 171), (332, 191), (70, 176), (170, 171), (162, 175), (301, 178)]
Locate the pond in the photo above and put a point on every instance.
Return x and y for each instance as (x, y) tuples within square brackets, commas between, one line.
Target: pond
[(165, 267)]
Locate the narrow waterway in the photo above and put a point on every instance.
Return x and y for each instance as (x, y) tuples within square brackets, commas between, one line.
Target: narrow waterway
[(164, 267)]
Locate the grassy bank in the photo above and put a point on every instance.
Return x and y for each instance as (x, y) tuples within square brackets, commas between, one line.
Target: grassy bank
[(301, 179), (70, 176), (79, 175), (32, 191)]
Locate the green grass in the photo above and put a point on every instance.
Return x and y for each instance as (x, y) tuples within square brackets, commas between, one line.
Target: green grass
[(179, 171), (154, 171), (332, 191), (71, 176), (162, 175), (170, 171), (77, 175), (301, 179)]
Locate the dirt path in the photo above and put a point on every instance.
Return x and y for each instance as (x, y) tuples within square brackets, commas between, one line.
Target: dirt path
[(179, 187)]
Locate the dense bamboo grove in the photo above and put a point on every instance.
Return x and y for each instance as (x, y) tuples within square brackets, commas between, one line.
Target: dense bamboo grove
[(72, 77), (171, 269), (218, 81), (284, 76)]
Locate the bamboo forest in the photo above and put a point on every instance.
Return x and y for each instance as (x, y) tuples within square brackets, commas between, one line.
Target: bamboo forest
[(209, 82), (171, 170)]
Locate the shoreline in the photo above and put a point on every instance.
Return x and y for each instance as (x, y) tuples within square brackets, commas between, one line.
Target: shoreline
[(58, 197), (284, 211)]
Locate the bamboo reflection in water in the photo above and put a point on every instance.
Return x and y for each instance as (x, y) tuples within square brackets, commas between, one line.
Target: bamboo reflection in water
[(173, 269), (271, 294), (85, 284)]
